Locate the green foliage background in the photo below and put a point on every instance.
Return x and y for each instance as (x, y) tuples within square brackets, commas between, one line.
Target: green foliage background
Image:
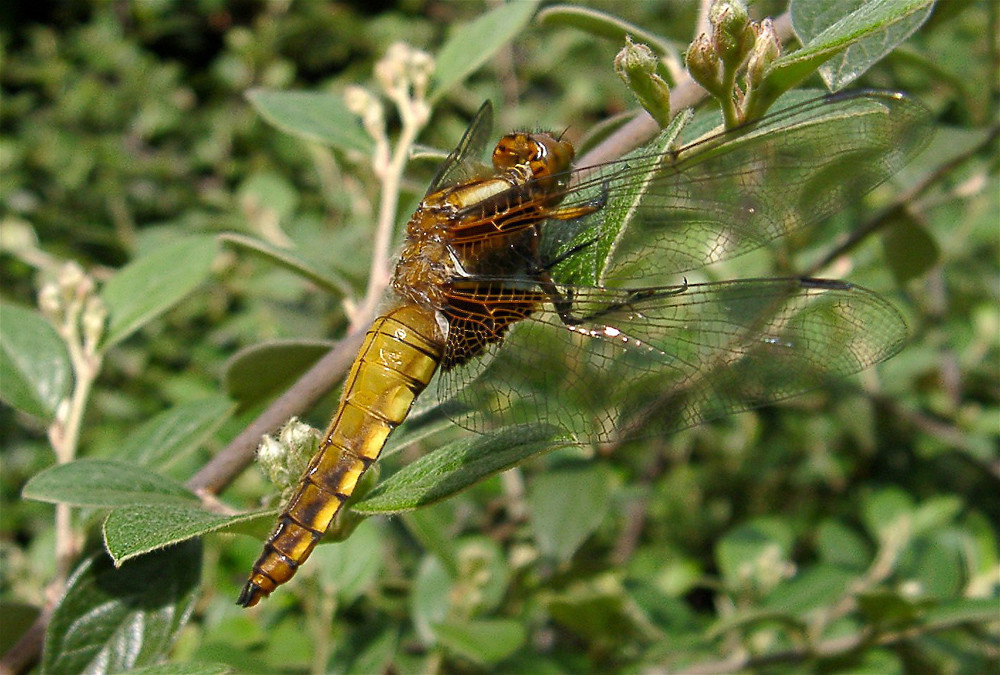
[(853, 529)]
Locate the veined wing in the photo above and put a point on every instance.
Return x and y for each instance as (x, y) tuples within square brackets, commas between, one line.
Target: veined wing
[(672, 211), (464, 163), (653, 361)]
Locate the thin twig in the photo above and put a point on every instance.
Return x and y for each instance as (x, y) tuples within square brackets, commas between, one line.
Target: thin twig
[(388, 206)]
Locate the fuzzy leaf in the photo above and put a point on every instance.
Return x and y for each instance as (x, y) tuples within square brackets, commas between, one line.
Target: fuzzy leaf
[(471, 45), (115, 619), (35, 371), (319, 117), (456, 466), (153, 283)]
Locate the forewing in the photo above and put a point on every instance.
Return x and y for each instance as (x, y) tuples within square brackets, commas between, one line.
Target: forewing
[(465, 161), (655, 361), (728, 194)]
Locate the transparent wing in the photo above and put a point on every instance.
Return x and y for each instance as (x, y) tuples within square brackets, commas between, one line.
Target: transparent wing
[(657, 360), (464, 163), (671, 211)]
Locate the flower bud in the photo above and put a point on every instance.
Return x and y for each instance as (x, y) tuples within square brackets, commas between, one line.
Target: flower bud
[(636, 66), (285, 459), (95, 316), (766, 49), (404, 70), (50, 302), (732, 35), (69, 277), (703, 64)]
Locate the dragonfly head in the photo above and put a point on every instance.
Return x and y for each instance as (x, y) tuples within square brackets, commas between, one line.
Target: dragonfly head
[(547, 158)]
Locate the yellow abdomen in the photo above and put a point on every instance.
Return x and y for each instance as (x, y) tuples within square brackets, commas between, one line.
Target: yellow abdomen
[(397, 359)]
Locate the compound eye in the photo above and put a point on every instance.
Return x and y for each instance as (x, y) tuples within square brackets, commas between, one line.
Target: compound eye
[(538, 157)]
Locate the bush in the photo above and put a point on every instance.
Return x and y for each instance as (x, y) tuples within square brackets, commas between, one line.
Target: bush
[(192, 229)]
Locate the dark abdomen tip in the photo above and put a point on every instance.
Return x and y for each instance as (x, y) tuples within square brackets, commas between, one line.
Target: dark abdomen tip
[(250, 595)]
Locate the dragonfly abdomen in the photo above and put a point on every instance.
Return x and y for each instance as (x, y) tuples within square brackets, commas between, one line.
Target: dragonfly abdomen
[(396, 361)]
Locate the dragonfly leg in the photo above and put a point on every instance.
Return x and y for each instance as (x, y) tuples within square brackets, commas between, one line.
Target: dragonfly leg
[(546, 266), (584, 209), (563, 302)]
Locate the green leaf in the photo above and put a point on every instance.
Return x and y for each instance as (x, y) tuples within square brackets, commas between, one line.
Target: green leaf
[(151, 284), (837, 544), (958, 611), (334, 285), (113, 620), (868, 22), (429, 599), (257, 373), (471, 45), (936, 564), (35, 372), (173, 433), (350, 567), (458, 465), (873, 661), (377, 656), (818, 586), (910, 250), (594, 609), (588, 267), (567, 505), (268, 190), (886, 24), (135, 530), (319, 117), (888, 513), (103, 483), (935, 513), (483, 641), (890, 609), (431, 528)]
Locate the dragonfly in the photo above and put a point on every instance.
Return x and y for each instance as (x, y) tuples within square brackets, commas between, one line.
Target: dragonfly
[(531, 289)]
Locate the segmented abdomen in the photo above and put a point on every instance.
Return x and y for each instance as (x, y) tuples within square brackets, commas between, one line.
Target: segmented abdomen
[(397, 359)]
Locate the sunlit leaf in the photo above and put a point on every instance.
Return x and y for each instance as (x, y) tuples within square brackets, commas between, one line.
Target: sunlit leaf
[(115, 619), (456, 466), (134, 530), (885, 23), (103, 483), (873, 21)]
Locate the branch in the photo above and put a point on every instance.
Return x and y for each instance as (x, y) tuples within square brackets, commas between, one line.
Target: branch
[(306, 391)]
